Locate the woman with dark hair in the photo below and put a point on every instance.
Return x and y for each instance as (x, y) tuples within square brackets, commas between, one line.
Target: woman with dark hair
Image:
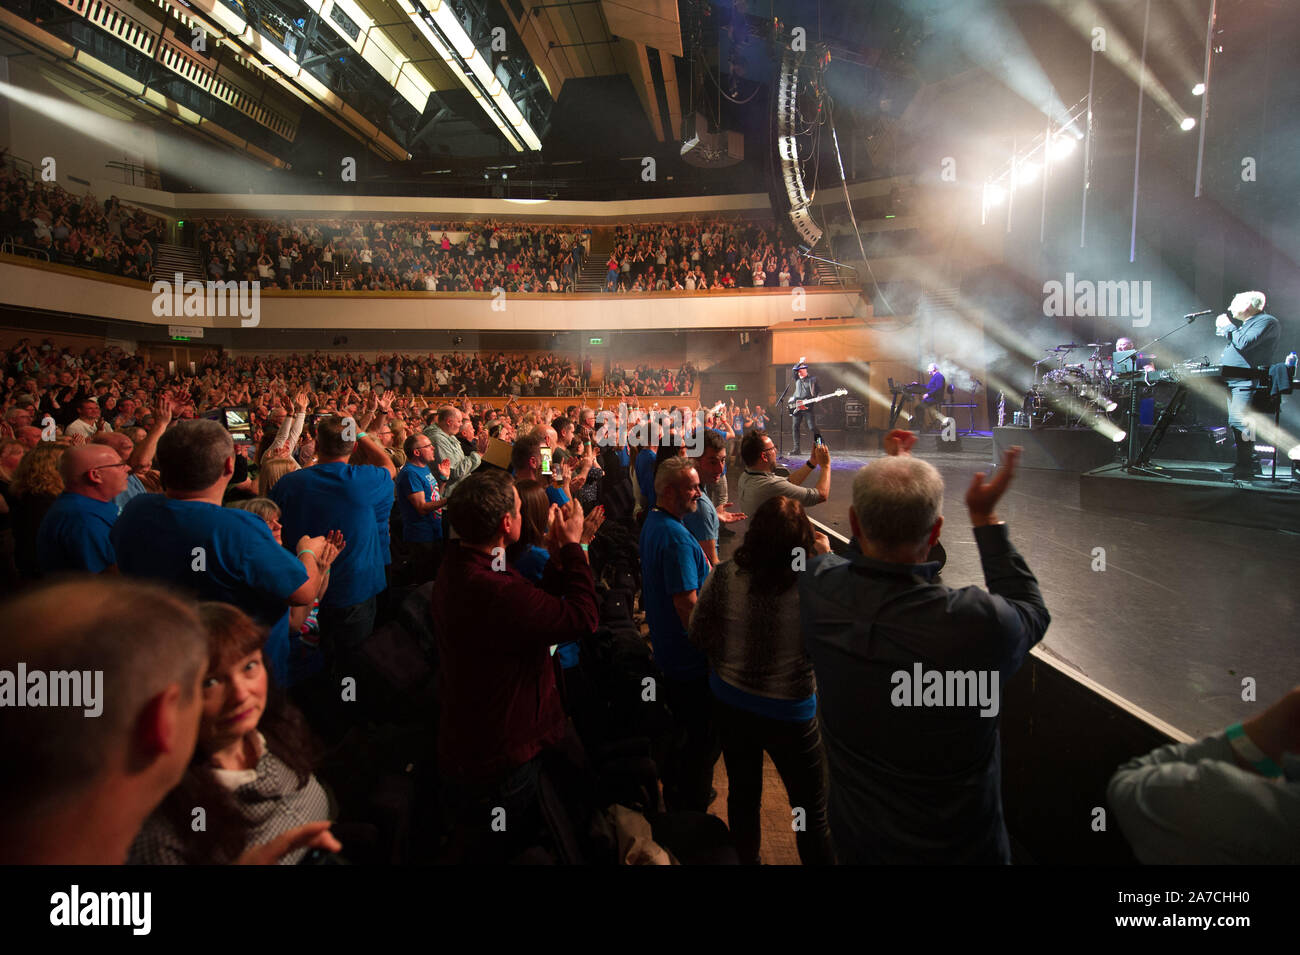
[(529, 555), (747, 623), (251, 772)]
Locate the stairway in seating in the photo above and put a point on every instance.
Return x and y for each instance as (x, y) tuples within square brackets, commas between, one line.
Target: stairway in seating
[(823, 273), (592, 276), (170, 259)]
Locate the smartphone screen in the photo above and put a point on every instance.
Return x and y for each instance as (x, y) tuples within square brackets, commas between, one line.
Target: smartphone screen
[(817, 440), (545, 452)]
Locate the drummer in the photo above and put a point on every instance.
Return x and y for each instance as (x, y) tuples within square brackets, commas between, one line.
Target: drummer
[(1141, 362)]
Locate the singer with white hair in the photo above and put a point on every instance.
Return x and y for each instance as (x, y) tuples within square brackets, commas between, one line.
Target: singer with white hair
[(1252, 336), (933, 397)]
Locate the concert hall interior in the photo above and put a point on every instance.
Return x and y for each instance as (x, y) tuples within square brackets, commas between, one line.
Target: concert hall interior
[(645, 422)]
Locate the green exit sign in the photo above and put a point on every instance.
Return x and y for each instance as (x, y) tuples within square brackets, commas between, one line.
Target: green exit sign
[(728, 387), (179, 338), (595, 341)]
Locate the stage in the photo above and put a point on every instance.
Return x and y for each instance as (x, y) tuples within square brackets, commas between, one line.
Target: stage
[(1170, 612)]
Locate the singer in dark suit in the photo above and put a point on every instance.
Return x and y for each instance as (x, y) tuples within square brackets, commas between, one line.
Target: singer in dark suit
[(1252, 336), (805, 387)]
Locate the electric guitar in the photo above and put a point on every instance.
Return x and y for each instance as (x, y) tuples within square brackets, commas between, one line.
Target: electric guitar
[(799, 404)]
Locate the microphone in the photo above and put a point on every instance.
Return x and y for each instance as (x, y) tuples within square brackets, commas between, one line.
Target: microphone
[(1195, 315), (1098, 344)]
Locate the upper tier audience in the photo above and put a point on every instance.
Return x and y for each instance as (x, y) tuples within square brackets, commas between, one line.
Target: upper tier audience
[(77, 230), (402, 255)]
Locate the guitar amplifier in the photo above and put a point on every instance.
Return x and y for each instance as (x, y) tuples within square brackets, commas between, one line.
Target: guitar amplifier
[(830, 414), (855, 414)]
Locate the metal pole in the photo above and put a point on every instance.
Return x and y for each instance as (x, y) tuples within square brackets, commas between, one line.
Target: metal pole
[(1087, 156), (1011, 183), (1137, 153), (1047, 149), (1205, 96)]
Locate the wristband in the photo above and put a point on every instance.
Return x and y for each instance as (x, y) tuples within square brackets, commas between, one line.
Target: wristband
[(1245, 747), (361, 434), (308, 550), (584, 547), (810, 465)]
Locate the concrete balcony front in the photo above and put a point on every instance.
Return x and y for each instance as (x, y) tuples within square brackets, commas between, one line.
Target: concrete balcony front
[(27, 283)]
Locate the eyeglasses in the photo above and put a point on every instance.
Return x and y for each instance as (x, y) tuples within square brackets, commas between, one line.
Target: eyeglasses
[(100, 467)]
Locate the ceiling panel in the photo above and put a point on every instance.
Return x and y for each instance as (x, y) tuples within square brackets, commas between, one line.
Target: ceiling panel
[(652, 22)]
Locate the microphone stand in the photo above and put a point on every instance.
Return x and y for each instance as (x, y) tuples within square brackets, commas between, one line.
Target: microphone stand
[(780, 416), (1131, 447), (1190, 319)]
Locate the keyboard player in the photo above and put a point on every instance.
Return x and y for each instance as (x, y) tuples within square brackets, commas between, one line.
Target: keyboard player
[(1252, 336)]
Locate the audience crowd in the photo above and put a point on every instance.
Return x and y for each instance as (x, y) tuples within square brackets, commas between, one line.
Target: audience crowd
[(402, 255), (540, 618), (399, 255), (44, 218), (703, 257)]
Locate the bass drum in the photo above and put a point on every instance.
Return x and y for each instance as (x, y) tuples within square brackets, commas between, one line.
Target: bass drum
[(1039, 408)]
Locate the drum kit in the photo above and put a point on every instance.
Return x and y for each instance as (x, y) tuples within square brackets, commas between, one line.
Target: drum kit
[(1066, 393)]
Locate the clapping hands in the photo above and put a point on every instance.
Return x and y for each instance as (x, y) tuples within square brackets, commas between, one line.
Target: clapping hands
[(728, 516), (981, 497), (333, 546), (566, 524)]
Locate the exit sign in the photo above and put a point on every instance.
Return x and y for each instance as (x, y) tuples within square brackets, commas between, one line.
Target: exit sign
[(728, 387), (179, 338), (595, 341)]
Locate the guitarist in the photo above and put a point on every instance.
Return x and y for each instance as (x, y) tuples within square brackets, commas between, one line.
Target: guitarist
[(805, 387)]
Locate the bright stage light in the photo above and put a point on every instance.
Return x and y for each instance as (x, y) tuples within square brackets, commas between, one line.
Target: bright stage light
[(1061, 147), (1188, 123), (1119, 436), (996, 195), (1198, 89), (1294, 453)]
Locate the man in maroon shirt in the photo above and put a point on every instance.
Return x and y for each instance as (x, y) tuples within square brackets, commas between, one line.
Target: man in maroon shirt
[(500, 706)]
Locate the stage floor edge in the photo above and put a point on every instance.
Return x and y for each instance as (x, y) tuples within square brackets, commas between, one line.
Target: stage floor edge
[(1257, 503)]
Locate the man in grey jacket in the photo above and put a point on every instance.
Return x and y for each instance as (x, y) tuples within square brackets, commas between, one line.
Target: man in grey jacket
[(443, 435)]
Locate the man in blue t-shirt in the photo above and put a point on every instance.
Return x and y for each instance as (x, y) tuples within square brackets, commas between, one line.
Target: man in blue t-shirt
[(420, 505), (186, 538), (74, 534), (643, 465), (704, 522), (673, 569), (353, 498)]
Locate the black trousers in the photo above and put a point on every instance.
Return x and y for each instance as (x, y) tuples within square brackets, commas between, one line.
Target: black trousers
[(807, 416), (493, 822), (343, 630), (695, 747), (796, 750)]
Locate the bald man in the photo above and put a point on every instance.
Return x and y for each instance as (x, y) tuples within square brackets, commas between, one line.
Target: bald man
[(74, 533), (83, 776), (126, 450)]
